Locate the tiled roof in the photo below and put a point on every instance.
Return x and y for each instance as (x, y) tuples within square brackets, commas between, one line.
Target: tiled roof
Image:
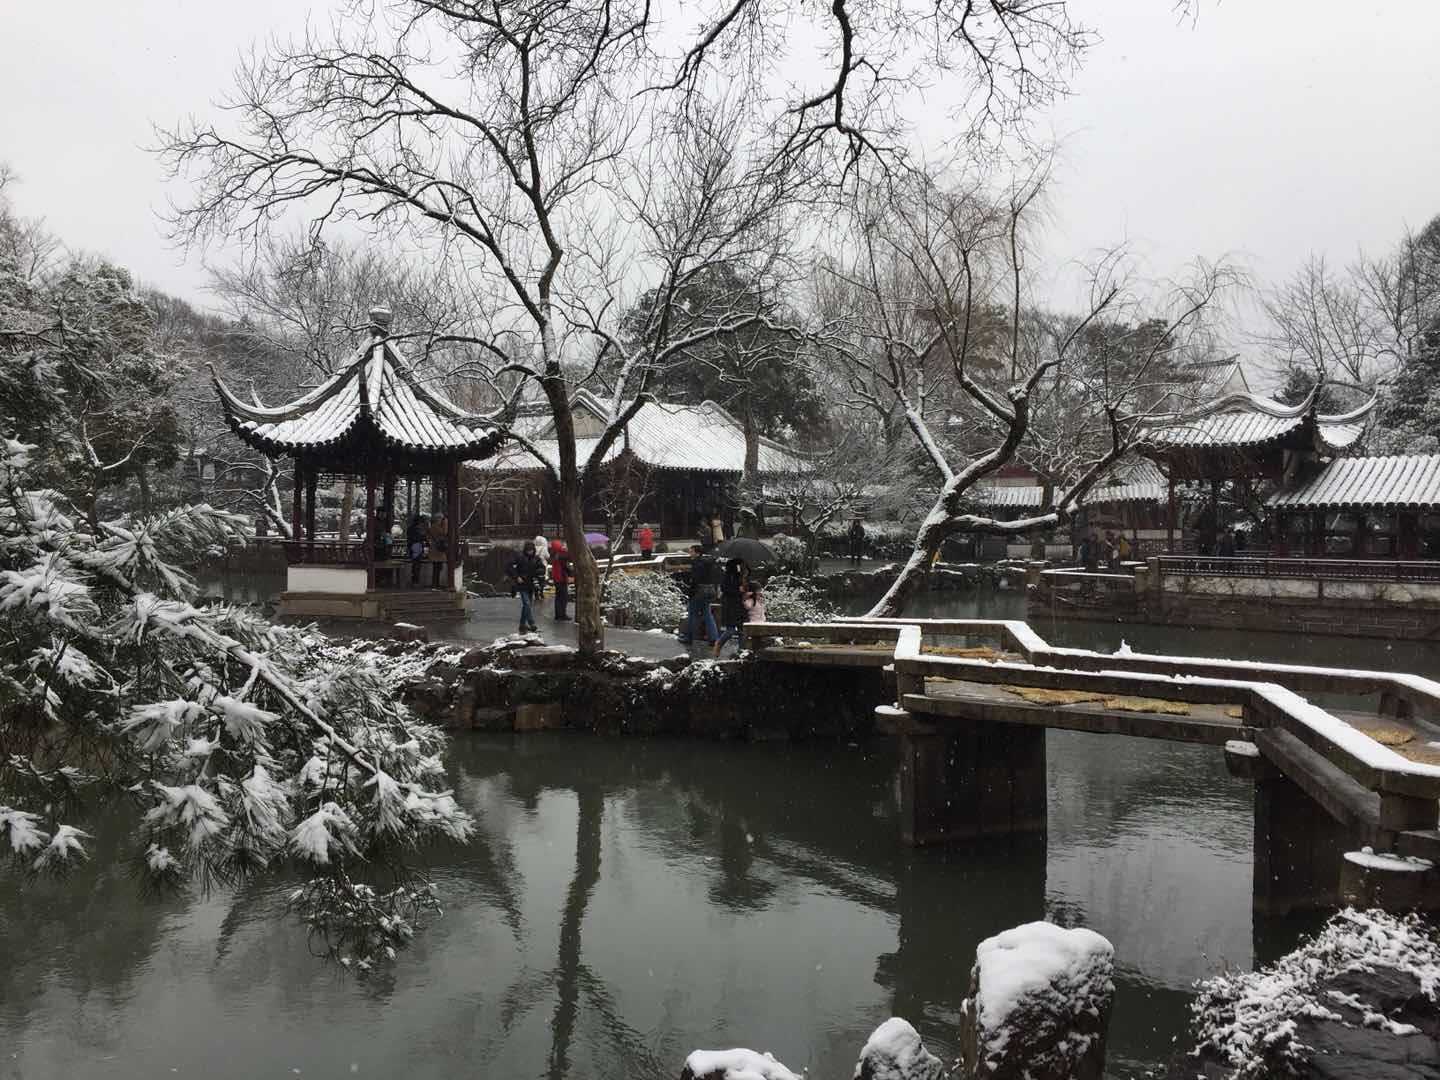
[(1245, 420), (376, 388), (1130, 481), (1403, 482), (702, 438)]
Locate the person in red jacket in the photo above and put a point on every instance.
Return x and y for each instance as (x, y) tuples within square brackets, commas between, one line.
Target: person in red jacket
[(560, 571), (646, 539)]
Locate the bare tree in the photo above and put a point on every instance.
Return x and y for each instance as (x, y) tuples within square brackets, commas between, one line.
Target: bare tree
[(950, 249), (497, 136), (1324, 320)]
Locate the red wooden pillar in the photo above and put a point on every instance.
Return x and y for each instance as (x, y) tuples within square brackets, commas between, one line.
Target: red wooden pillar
[(1170, 516), (371, 536), (452, 501), (296, 520), (311, 479)]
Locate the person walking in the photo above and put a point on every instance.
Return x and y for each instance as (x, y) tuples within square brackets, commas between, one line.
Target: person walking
[(754, 600), (439, 545), (698, 616), (1112, 552), (857, 541), (732, 605), (717, 529), (1124, 547), (527, 578), (645, 537), (560, 571), (416, 537)]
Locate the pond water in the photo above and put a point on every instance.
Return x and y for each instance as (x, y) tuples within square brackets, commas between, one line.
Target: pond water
[(628, 901)]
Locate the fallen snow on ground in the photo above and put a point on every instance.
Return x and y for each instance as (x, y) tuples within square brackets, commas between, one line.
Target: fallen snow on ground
[(1038, 962), (1248, 1018), (738, 1064)]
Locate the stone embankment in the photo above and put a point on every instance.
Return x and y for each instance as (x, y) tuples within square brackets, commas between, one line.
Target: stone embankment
[(517, 684)]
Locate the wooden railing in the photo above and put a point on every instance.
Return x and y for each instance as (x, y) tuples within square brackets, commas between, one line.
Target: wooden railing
[(1325, 569), (348, 552), (325, 553)]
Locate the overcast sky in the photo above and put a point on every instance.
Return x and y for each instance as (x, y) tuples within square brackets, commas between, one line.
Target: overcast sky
[(1266, 129)]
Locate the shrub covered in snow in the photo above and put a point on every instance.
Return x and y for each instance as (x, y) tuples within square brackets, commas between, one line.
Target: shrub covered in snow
[(1248, 1019), (789, 599), (792, 557), (244, 746), (652, 600)]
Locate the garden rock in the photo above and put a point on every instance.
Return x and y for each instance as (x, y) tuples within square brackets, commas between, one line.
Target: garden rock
[(895, 1051), (1039, 1005)]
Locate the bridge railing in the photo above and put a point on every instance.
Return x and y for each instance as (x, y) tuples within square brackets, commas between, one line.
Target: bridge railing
[(1324, 569), (1265, 693)]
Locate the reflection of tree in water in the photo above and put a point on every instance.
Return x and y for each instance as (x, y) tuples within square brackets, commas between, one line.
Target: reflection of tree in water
[(90, 933)]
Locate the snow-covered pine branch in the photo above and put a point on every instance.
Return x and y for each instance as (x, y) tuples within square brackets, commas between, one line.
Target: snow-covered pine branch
[(239, 746)]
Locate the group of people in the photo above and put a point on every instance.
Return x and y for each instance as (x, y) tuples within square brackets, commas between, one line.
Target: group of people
[(742, 600), (1113, 550), (422, 537), (530, 571)]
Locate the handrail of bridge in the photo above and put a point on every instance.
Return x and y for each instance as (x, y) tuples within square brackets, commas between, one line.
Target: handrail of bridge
[(1256, 687), (1325, 569)]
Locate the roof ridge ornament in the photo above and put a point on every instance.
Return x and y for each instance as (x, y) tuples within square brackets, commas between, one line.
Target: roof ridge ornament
[(380, 319)]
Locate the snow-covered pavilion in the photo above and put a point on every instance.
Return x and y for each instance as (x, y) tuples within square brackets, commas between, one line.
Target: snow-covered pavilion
[(1392, 505), (376, 422), (691, 454), (1243, 438)]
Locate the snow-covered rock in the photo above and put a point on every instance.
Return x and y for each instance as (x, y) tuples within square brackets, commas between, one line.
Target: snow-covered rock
[(1361, 999), (1039, 1005), (738, 1064), (894, 1051)]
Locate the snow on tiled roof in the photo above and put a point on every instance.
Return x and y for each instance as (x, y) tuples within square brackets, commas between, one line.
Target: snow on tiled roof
[(1133, 481), (702, 438), (375, 387), (1130, 481), (1245, 420), (1402, 482)]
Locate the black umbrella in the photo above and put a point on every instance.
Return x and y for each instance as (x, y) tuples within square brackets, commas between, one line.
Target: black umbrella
[(743, 547)]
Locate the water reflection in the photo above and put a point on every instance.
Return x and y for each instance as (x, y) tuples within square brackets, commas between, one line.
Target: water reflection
[(630, 900)]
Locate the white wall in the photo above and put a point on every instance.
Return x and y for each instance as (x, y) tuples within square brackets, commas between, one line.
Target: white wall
[(327, 579)]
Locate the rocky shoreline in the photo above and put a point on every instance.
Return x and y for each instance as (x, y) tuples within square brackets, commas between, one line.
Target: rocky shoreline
[(519, 684)]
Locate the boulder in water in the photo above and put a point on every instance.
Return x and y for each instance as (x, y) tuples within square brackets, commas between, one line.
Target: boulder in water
[(895, 1052), (1039, 1005)]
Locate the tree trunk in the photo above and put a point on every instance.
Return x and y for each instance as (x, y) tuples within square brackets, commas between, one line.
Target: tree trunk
[(347, 507), (589, 630), (927, 542)]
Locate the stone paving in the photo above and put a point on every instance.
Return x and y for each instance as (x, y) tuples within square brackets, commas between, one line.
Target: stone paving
[(489, 618)]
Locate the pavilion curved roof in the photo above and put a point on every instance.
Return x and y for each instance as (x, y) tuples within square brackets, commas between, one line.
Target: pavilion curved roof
[(374, 399), (1248, 421)]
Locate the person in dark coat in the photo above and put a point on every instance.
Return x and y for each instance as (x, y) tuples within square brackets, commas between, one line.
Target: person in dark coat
[(527, 579), (732, 605), (698, 616), (856, 536)]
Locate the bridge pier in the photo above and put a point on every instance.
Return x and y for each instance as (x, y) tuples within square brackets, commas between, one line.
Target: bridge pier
[(1299, 849), (977, 779)]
